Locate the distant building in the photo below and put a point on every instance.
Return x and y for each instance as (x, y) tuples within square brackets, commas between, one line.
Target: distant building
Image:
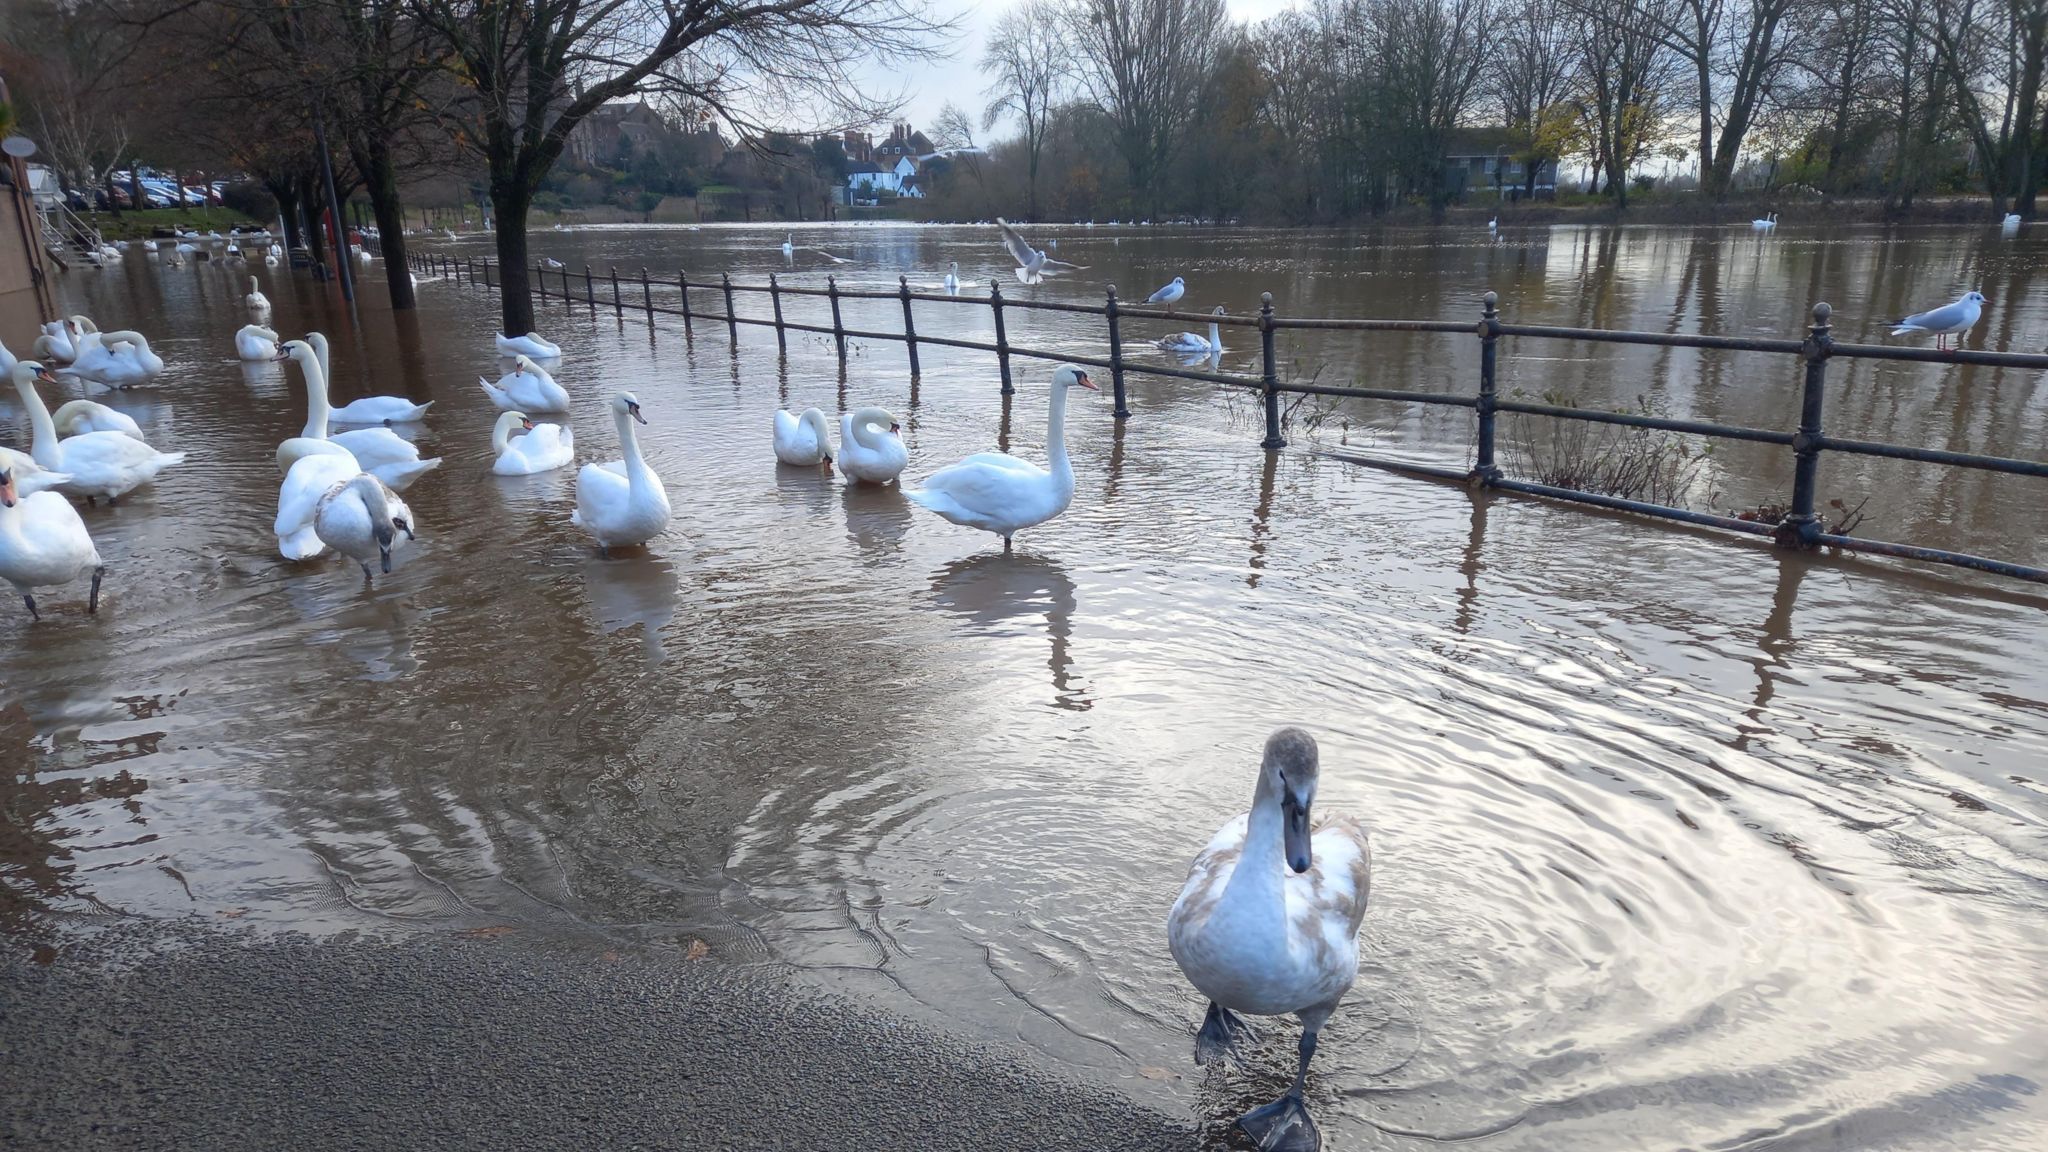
[(858, 148), (1486, 162), (867, 179), (597, 138), (903, 141)]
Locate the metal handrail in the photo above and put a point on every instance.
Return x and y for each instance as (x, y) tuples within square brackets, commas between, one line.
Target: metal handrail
[(1802, 527)]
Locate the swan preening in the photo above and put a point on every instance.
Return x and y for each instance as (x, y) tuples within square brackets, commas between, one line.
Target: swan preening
[(63, 340), (532, 344), (107, 463), (115, 359), (255, 342), (77, 417), (43, 543), (256, 300), (390, 457), (326, 501), (621, 502), (544, 448), (871, 446), (804, 441), (528, 387), (999, 493), (1267, 925), (1194, 344), (1947, 320)]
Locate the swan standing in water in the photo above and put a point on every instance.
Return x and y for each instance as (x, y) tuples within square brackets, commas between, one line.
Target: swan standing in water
[(256, 300), (380, 451), (1194, 345), (43, 543), (866, 453), (621, 502), (804, 441), (1001, 494), (544, 448), (255, 342), (367, 410), (953, 278), (108, 464), (77, 417), (532, 344), (527, 385), (362, 519), (1267, 925)]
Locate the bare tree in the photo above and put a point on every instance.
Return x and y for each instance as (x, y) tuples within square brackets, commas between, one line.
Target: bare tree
[(1431, 53), (529, 71), (1144, 61), (1026, 59), (1628, 74), (953, 128)]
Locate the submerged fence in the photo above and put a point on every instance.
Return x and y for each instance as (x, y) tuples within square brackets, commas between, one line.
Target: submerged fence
[(1802, 526)]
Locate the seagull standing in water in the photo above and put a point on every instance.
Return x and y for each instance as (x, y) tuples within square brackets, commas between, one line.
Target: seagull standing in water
[(1947, 320), (1170, 293), (1032, 265)]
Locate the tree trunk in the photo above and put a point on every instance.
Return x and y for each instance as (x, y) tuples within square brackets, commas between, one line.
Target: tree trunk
[(509, 204), (381, 180), (2026, 173)]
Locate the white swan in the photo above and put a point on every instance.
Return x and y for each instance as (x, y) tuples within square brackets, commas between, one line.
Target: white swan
[(803, 440), (369, 409), (532, 344), (1002, 494), (788, 245), (256, 300), (77, 417), (29, 476), (61, 341), (1193, 344), (379, 451), (953, 278), (298, 501), (1267, 924), (622, 502), (43, 543), (1765, 223), (526, 386), (544, 448), (870, 446), (99, 463), (149, 245), (552, 264), (255, 342), (361, 519), (7, 357), (116, 359)]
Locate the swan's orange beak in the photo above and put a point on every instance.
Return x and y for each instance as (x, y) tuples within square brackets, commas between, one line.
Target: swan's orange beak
[(1085, 382), (45, 375), (6, 489), (526, 424)]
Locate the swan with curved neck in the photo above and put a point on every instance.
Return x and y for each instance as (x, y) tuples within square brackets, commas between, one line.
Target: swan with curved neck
[(621, 502), (369, 409), (1193, 344), (532, 344), (527, 387), (77, 417), (803, 441), (871, 446), (363, 520), (380, 451), (1267, 924), (544, 448), (108, 464), (43, 543), (255, 342), (999, 493), (116, 359)]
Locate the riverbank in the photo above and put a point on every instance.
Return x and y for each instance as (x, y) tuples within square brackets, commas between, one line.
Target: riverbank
[(133, 225), (158, 1035)]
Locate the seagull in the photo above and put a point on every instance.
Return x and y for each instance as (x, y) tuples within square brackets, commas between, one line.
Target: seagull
[(1032, 265), (1947, 320), (1170, 293)]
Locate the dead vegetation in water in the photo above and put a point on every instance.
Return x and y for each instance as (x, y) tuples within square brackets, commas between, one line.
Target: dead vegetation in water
[(1842, 524), (1646, 464), (1303, 413)]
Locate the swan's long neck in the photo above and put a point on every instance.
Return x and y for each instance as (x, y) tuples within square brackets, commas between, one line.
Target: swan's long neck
[(815, 421), (637, 475), (317, 408), (501, 436), (43, 446), (371, 493), (1215, 335), (1056, 436), (1258, 876), (861, 425)]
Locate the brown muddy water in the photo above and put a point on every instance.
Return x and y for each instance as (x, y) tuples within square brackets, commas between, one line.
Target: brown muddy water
[(1681, 842)]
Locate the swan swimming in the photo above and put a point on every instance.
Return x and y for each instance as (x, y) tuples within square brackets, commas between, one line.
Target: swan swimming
[(788, 246), (953, 278), (532, 344), (255, 342), (999, 493), (116, 359), (368, 409), (1193, 344), (804, 441), (871, 446), (1267, 925), (77, 417), (552, 264), (1947, 320), (108, 464), (621, 502), (544, 448), (43, 543), (1765, 223), (379, 451), (527, 386), (256, 300)]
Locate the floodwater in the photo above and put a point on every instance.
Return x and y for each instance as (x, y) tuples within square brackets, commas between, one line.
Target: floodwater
[(1681, 841)]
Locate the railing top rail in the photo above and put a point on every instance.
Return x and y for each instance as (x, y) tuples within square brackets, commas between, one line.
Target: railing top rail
[(1939, 356), (1661, 339)]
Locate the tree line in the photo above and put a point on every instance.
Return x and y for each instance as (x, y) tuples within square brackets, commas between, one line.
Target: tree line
[(1346, 107)]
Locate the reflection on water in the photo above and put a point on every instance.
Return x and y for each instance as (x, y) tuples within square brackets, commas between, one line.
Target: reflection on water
[(1682, 842)]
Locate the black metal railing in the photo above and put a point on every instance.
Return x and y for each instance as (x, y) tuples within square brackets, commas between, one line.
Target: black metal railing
[(1801, 527)]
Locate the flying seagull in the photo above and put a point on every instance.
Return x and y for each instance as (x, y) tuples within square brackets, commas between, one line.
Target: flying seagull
[(1032, 265), (1170, 293), (1947, 320)]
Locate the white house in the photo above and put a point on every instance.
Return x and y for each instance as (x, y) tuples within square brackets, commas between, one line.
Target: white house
[(865, 179)]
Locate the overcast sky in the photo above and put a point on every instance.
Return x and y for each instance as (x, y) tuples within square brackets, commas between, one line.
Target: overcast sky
[(927, 87)]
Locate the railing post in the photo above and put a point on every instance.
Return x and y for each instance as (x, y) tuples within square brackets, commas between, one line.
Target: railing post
[(995, 304), (589, 290), (1116, 355), (618, 305), (683, 286), (1484, 470), (1802, 527), (647, 298), (1270, 375), (732, 318), (909, 324), (838, 332), (775, 298), (540, 277)]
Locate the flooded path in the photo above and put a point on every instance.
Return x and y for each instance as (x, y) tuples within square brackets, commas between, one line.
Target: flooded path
[(1681, 841)]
